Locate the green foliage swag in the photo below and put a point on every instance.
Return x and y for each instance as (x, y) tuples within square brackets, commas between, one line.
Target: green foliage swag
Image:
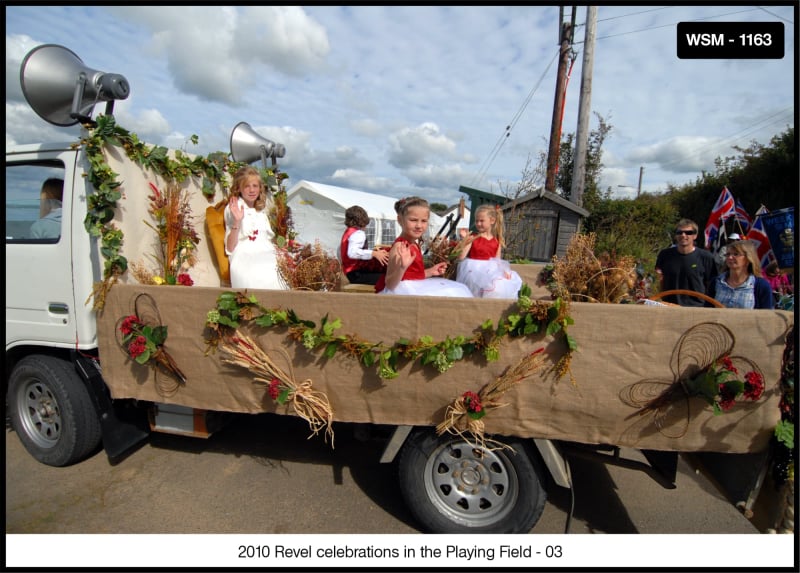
[(99, 221), (235, 309)]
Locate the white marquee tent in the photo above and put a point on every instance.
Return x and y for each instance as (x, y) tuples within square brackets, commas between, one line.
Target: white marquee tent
[(318, 214)]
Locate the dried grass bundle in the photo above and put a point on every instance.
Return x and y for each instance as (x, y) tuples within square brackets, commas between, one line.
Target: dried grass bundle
[(310, 405), (586, 277), (174, 226), (310, 268), (461, 417), (142, 274)]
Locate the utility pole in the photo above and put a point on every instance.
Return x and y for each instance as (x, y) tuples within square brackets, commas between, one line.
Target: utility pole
[(639, 187), (565, 40), (584, 107)]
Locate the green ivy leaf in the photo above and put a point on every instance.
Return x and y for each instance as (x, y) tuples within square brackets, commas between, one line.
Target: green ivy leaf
[(784, 432), (330, 349)]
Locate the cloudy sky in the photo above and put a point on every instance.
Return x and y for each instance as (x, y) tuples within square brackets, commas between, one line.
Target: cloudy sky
[(421, 99)]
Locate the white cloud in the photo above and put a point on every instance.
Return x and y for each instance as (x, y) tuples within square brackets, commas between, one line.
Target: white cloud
[(414, 99)]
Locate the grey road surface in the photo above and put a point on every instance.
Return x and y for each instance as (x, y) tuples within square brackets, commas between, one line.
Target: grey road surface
[(262, 474)]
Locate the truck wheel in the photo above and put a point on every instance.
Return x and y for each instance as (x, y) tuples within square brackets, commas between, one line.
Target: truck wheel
[(452, 487), (52, 411)]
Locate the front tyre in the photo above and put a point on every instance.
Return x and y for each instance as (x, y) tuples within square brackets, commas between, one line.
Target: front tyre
[(52, 411), (452, 487)]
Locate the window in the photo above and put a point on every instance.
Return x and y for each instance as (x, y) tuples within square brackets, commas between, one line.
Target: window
[(370, 232), (388, 231), (33, 202)]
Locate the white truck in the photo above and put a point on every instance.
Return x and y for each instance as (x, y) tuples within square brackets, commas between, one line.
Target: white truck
[(71, 387)]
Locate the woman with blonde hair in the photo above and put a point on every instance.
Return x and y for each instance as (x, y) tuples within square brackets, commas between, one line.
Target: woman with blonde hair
[(741, 285), (248, 234)]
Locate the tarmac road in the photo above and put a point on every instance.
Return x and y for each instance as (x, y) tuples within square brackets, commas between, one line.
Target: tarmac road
[(262, 475)]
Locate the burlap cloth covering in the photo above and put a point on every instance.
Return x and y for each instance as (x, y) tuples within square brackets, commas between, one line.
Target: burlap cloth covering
[(618, 345)]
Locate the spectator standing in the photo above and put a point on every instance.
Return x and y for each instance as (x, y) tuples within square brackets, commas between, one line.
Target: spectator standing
[(685, 267), (742, 285)]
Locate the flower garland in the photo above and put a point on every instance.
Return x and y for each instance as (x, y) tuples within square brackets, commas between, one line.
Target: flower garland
[(234, 309), (99, 222)]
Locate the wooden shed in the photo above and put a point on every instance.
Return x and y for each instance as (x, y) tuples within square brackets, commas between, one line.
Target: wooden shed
[(538, 225)]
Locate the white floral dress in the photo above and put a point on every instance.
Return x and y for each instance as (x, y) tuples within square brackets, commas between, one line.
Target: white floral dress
[(253, 262)]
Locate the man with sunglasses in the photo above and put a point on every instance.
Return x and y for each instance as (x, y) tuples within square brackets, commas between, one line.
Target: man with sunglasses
[(685, 267)]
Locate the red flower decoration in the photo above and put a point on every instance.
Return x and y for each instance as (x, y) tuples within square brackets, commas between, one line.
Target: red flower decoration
[(473, 402), (185, 280), (753, 385), (137, 346), (274, 388), (129, 324)]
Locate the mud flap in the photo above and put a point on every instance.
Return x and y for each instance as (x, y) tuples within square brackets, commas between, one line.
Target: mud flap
[(119, 436)]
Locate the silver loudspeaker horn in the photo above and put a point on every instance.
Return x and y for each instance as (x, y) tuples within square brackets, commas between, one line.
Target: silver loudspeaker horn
[(248, 146), (61, 90)]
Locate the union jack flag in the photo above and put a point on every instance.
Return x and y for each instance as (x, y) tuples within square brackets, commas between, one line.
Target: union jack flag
[(760, 240), (722, 209), (741, 215)]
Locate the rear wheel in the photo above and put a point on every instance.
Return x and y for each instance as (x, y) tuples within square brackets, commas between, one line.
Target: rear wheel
[(453, 487), (52, 411)]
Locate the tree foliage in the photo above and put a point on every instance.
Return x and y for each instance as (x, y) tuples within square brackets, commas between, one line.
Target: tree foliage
[(594, 163), (759, 175)]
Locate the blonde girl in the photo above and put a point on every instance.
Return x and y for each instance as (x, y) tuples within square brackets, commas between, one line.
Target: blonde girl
[(481, 266), (248, 234)]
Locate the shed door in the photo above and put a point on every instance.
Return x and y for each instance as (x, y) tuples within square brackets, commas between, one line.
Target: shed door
[(542, 232)]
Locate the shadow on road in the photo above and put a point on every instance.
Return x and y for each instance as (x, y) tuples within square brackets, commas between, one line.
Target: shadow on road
[(270, 439)]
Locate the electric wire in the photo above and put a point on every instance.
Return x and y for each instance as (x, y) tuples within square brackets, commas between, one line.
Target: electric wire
[(759, 125), (507, 131)]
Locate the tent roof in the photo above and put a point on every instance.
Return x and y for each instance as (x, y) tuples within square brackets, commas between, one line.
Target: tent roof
[(377, 206)]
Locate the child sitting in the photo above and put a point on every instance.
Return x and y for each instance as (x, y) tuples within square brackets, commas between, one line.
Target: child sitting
[(480, 265), (406, 272), (359, 264)]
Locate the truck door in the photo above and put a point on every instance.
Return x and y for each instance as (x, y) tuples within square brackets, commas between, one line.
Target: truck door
[(42, 305)]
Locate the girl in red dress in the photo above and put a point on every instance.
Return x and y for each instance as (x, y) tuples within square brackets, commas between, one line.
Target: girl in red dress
[(480, 265), (406, 272)]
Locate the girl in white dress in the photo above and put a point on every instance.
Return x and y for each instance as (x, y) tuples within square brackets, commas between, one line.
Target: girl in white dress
[(248, 234), (405, 271), (480, 265)]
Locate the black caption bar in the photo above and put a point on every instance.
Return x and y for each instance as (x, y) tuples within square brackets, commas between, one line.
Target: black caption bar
[(730, 40)]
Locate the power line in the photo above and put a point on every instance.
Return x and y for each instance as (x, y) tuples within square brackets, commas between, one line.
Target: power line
[(668, 25), (761, 124), (507, 132), (776, 15)]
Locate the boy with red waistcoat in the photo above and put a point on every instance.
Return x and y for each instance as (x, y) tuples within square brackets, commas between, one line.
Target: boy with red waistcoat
[(359, 264)]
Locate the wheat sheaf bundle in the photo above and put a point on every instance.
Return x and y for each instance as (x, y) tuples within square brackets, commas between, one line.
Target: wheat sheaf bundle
[(307, 403), (457, 418), (588, 277)]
